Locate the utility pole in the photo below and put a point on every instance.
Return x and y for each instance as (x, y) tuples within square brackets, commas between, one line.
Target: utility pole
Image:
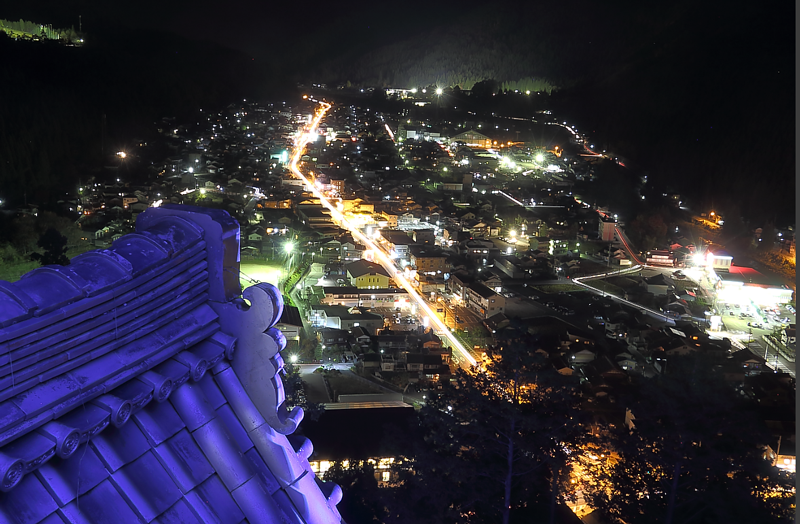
[(80, 26)]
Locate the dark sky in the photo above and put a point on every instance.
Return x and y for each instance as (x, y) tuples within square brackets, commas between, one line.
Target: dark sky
[(255, 27)]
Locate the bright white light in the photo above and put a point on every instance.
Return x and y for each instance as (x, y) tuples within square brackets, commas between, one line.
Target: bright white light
[(439, 91)]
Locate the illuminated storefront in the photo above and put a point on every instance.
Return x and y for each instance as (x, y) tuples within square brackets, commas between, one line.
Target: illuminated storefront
[(743, 285)]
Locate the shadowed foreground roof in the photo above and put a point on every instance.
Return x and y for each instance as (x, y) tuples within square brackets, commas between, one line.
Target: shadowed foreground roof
[(136, 385)]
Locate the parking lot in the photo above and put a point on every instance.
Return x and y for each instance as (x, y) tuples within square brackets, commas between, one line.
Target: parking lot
[(744, 318)]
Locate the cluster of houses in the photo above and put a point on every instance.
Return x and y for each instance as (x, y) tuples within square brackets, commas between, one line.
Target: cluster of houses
[(463, 253)]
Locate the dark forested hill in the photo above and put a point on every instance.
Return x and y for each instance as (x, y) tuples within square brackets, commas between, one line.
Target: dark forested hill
[(706, 105), (56, 102)]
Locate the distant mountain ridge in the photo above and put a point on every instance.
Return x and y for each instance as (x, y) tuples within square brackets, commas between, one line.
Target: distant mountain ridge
[(701, 95)]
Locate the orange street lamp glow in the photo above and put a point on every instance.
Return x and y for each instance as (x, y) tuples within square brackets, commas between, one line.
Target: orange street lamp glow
[(378, 252)]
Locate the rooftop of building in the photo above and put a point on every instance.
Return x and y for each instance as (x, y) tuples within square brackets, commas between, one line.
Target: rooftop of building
[(365, 267)]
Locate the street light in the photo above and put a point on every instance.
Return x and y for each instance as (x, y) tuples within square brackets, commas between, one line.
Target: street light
[(288, 247), (439, 91)]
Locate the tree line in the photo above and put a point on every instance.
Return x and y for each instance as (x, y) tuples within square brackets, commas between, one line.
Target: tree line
[(32, 28), (516, 441)]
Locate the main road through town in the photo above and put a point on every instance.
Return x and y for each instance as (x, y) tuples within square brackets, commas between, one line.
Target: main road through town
[(379, 253)]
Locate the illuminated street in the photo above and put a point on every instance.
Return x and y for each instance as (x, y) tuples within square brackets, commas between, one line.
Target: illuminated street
[(380, 254)]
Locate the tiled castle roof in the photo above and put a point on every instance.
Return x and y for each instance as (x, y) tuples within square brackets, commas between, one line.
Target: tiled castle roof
[(136, 385)]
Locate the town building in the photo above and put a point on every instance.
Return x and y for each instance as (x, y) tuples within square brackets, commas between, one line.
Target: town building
[(393, 298), (607, 230), (484, 301), (429, 261), (660, 258), (472, 138), (344, 318), (364, 274)]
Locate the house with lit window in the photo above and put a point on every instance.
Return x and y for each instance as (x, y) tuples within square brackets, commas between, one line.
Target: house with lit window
[(427, 260), (484, 301)]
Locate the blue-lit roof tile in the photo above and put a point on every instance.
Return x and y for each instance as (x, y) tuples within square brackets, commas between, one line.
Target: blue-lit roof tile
[(54, 518), (285, 503), (67, 478), (263, 472), (234, 428), (102, 270), (147, 486), (308, 499), (60, 365), (143, 252), (11, 433), (87, 419), (281, 460), (175, 371), (184, 461), (119, 446), (99, 505), (179, 513), (10, 414), (176, 232), (49, 289), (192, 406), (158, 422), (209, 351), (211, 391), (139, 394), (14, 305), (39, 398), (244, 408), (28, 503), (222, 452), (257, 505), (301, 445), (213, 503), (32, 449)]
